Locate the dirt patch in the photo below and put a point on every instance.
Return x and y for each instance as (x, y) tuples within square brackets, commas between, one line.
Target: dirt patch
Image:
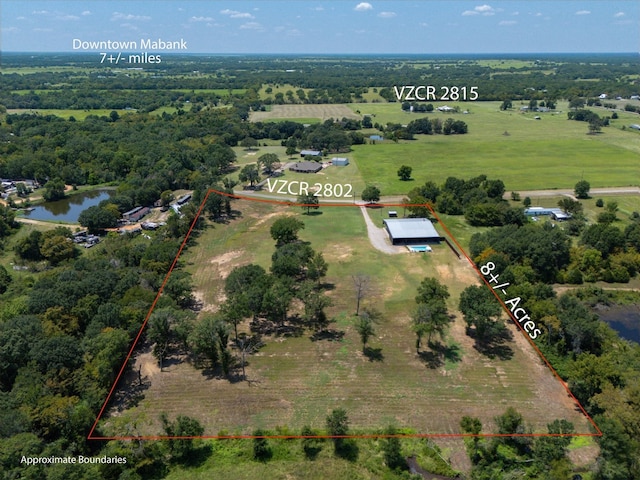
[(444, 272), (265, 218), (462, 272), (338, 252), (584, 457), (224, 261)]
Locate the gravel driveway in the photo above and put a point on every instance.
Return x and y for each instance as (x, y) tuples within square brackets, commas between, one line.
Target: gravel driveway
[(378, 236)]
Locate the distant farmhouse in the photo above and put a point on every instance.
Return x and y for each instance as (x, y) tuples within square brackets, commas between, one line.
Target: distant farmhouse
[(306, 167), (404, 231), (310, 153), (135, 214), (556, 213), (339, 161)]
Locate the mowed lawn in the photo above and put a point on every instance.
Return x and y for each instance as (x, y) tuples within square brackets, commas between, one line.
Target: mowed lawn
[(297, 380), (525, 153)]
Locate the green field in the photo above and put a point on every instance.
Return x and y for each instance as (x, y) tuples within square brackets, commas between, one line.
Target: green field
[(297, 380), (67, 113), (525, 153)]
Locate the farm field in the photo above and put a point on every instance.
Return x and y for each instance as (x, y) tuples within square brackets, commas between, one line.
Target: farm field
[(524, 153), (67, 113), (323, 112), (297, 378)]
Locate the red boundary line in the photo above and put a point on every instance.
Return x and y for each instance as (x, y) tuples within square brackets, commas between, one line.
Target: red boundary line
[(91, 436)]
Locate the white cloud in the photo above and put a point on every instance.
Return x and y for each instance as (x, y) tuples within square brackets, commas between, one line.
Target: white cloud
[(486, 10), (251, 26), (515, 14), (507, 22), (483, 8), (387, 14), (363, 7), (21, 18), (294, 33), (67, 17), (129, 26), (128, 16), (86, 13), (10, 30), (201, 19), (40, 12), (583, 12), (537, 14), (319, 9), (619, 15), (236, 14)]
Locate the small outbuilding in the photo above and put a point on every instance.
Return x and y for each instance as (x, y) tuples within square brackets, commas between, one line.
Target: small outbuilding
[(310, 153), (306, 167), (135, 214), (340, 161), (404, 231)]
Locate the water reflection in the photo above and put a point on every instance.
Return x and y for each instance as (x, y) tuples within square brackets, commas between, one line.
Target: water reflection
[(68, 209), (623, 319)]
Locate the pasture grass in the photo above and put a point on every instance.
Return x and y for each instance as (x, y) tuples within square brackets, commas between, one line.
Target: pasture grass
[(523, 152), (67, 113), (298, 380)]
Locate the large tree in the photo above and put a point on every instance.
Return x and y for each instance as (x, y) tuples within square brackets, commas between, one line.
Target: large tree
[(404, 172), (309, 201), (582, 188), (268, 161), (481, 312), (285, 230), (54, 190), (97, 218), (249, 173), (371, 194)]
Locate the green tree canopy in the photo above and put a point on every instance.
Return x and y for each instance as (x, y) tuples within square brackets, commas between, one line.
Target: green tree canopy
[(285, 230), (371, 194)]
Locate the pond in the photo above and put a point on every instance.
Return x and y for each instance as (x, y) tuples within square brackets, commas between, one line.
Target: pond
[(68, 209), (624, 319)]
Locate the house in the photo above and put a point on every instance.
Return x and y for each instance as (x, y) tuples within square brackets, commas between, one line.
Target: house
[(135, 214), (311, 153), (183, 199), (306, 167), (340, 161), (403, 231), (556, 213)]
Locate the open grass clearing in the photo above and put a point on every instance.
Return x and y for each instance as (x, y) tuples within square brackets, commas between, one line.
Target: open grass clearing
[(321, 111), (523, 152), (298, 381), (67, 113)]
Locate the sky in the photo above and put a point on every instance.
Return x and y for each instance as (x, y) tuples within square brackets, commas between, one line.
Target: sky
[(325, 27)]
